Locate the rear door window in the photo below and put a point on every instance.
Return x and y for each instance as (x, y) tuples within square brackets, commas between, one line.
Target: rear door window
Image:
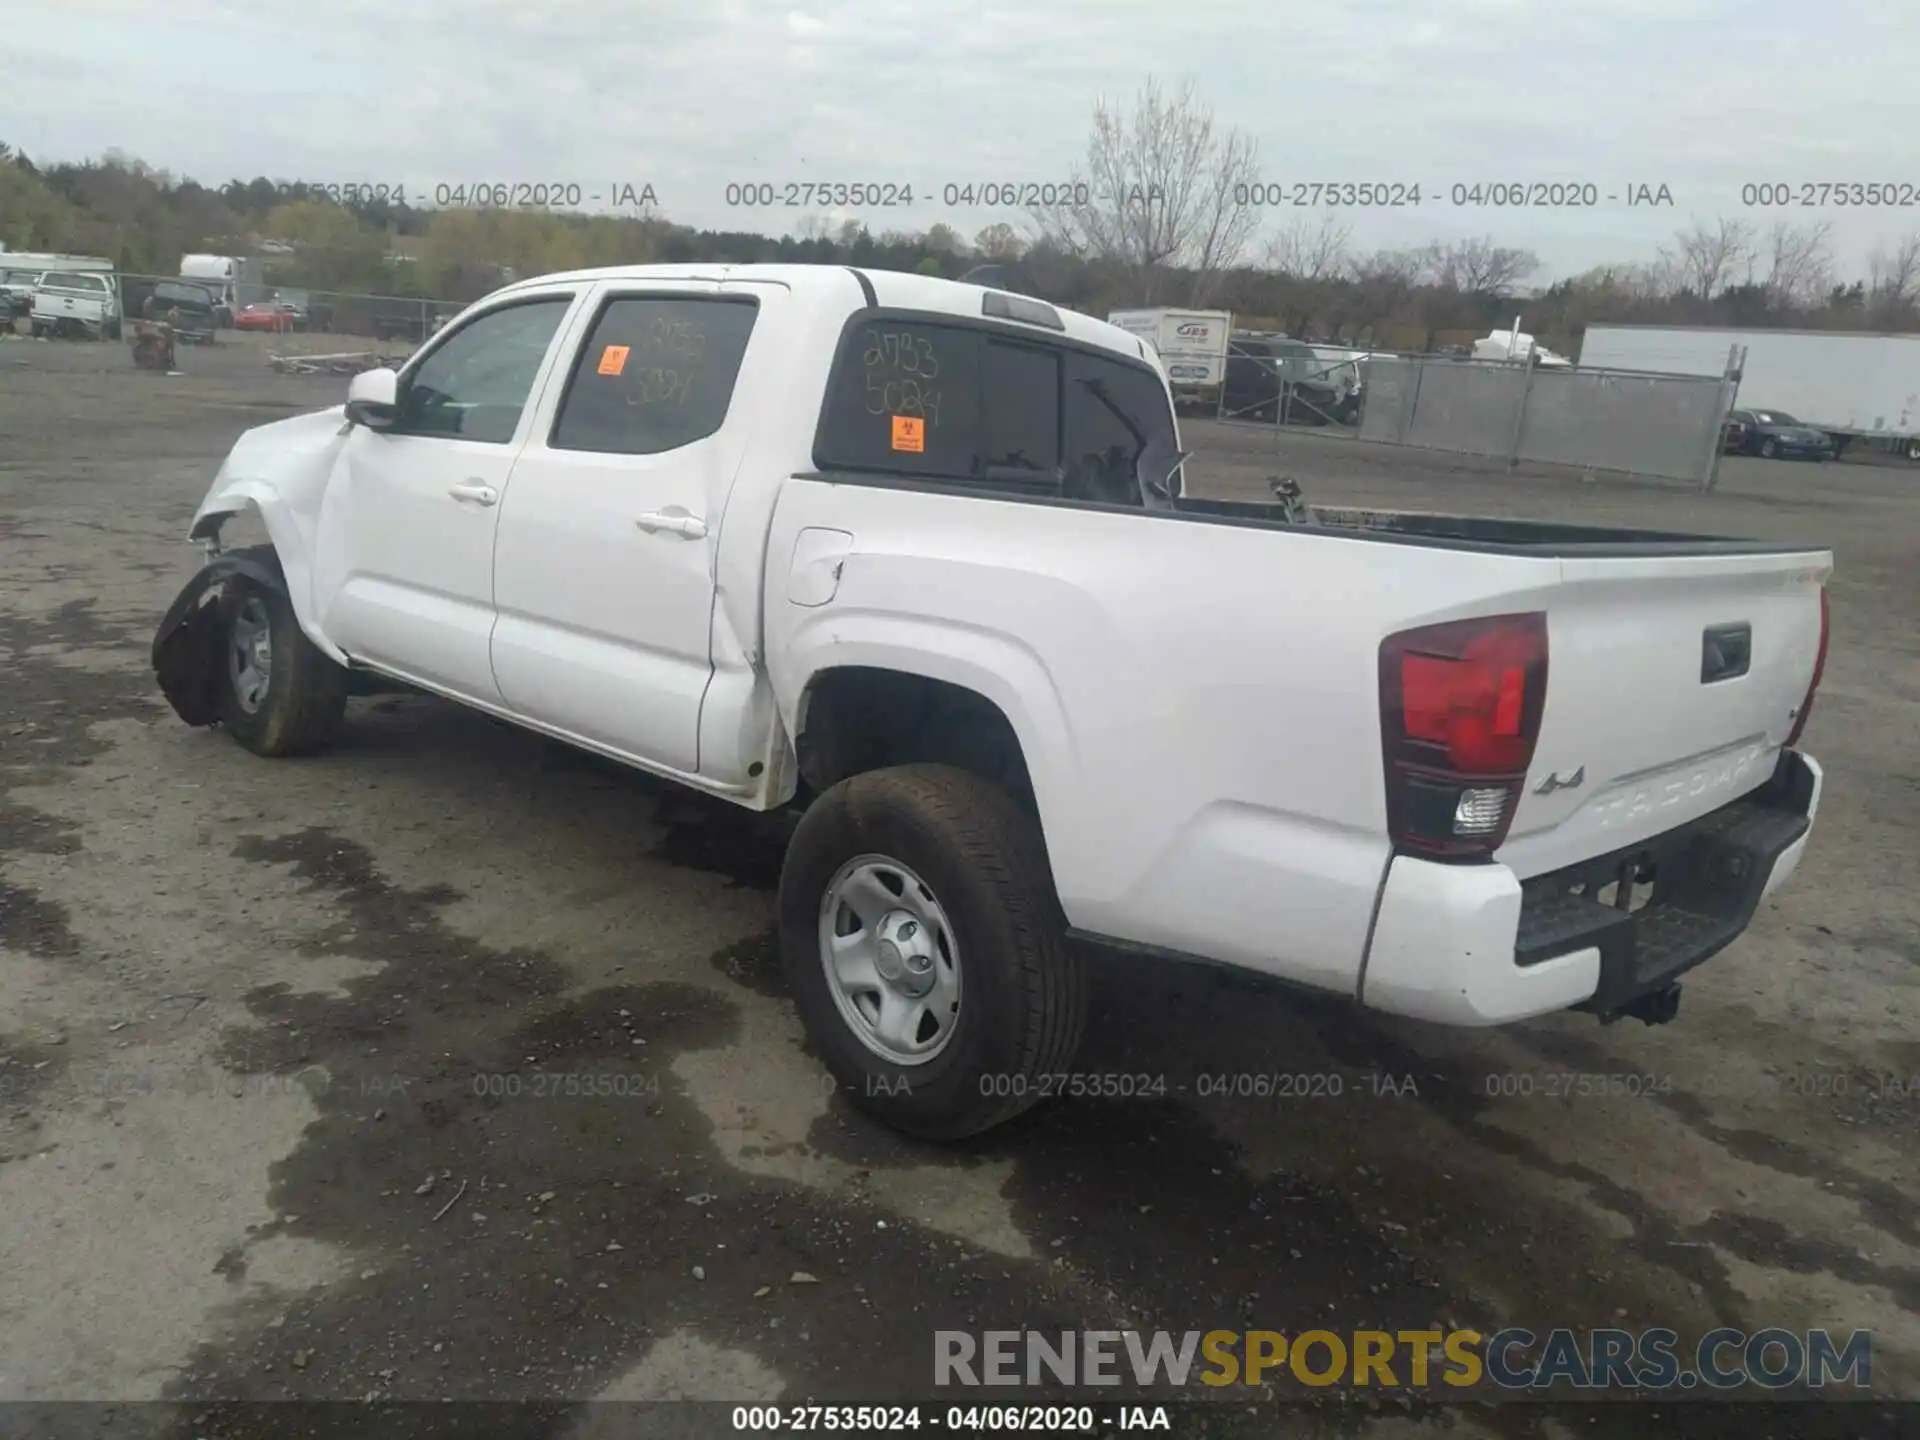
[(657, 373), (1019, 413)]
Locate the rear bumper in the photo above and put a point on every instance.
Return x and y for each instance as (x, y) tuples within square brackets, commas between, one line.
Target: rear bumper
[(1474, 945)]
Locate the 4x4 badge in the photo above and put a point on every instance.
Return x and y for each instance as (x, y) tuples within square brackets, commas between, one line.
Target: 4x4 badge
[(1555, 782)]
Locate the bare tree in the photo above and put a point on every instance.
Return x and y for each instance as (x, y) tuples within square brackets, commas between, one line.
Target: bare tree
[(1311, 250), (1705, 259), (1893, 282), (1655, 279), (1163, 186), (999, 241), (1799, 264), (1480, 268)]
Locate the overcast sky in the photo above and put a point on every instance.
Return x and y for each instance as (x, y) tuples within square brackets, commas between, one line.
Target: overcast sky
[(1702, 96)]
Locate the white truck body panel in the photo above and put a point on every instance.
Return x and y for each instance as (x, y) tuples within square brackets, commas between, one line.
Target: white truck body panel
[(1197, 701), (1839, 381), (235, 279), (1506, 345), (1192, 344), (74, 297)]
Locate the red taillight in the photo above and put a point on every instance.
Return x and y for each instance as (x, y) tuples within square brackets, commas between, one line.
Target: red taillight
[(1813, 686), (1460, 712)]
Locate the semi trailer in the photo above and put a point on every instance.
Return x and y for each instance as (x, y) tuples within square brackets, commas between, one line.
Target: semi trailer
[(1861, 388)]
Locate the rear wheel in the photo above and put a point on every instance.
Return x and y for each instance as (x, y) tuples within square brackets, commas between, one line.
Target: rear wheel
[(282, 695), (927, 951)]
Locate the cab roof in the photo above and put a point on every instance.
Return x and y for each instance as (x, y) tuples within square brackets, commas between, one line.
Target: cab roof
[(892, 289)]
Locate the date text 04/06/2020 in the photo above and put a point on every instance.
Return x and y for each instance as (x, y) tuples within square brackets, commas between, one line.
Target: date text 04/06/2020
[(952, 194), (542, 194), (1476, 194), (479, 194)]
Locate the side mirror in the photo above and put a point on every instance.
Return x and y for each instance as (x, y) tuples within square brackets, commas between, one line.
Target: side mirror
[(373, 399)]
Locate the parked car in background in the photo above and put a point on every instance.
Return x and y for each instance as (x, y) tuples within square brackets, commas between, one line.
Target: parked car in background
[(1265, 372), (16, 293), (1774, 433), (270, 315), (192, 310), (75, 302), (297, 304)]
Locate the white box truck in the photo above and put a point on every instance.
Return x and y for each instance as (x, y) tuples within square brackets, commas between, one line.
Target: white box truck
[(1860, 388), (236, 281), (1192, 345)]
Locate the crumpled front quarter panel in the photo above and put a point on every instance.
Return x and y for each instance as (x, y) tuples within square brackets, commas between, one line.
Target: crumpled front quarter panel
[(283, 469)]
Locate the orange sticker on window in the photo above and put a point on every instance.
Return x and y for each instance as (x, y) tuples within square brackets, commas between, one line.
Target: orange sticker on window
[(909, 433), (613, 359)]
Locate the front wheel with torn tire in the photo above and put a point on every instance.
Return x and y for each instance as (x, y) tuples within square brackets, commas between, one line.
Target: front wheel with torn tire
[(280, 693), (927, 951)]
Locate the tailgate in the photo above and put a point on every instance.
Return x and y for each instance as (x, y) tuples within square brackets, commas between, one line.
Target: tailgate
[(57, 305), (1672, 682)]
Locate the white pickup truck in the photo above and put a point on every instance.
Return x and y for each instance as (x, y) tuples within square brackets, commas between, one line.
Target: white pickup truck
[(67, 302), (914, 555)]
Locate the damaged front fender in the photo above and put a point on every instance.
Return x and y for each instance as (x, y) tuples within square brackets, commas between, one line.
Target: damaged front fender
[(189, 652)]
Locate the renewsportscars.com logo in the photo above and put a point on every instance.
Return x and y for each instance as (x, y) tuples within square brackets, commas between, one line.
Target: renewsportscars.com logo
[(1512, 1359)]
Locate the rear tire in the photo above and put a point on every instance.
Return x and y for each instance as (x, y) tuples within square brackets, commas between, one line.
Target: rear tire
[(279, 693), (977, 885)]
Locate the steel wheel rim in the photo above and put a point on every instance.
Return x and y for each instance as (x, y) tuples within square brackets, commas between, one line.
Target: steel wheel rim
[(250, 654), (891, 961)]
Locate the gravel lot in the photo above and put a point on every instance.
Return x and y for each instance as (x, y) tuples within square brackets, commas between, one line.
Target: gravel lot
[(270, 1033)]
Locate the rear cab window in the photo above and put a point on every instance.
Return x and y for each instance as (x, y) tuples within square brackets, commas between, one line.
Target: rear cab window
[(657, 373), (930, 398)]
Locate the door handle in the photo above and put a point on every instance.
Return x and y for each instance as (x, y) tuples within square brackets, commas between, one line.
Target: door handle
[(475, 491), (674, 521)]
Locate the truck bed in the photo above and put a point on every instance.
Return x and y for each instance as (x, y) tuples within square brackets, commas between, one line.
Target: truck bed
[(1540, 538)]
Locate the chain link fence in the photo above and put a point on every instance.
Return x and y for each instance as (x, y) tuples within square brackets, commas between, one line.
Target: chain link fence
[(385, 318), (1659, 426), (1276, 380)]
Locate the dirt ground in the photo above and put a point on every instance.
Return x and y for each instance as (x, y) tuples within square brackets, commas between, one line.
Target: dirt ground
[(270, 1034)]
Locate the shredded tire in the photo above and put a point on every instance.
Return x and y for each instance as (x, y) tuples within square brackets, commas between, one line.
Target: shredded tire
[(306, 698)]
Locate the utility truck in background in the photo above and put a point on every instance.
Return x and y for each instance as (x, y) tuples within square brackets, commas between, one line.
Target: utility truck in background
[(915, 560), (236, 281), (1518, 346), (1859, 388), (1192, 346)]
